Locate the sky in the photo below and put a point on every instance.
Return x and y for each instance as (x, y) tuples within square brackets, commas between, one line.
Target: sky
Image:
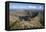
[(25, 6)]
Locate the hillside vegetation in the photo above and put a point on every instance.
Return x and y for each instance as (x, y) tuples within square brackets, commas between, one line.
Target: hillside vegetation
[(35, 21)]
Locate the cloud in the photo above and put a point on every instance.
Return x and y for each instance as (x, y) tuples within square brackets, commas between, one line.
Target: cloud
[(25, 6)]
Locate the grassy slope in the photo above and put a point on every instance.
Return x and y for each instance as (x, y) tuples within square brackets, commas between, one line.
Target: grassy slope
[(15, 23)]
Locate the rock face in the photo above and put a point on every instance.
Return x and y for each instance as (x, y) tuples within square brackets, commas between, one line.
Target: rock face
[(25, 14)]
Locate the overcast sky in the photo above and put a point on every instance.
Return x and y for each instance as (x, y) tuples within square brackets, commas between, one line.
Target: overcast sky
[(25, 6)]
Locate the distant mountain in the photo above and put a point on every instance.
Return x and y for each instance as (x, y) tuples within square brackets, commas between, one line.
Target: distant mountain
[(24, 12)]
